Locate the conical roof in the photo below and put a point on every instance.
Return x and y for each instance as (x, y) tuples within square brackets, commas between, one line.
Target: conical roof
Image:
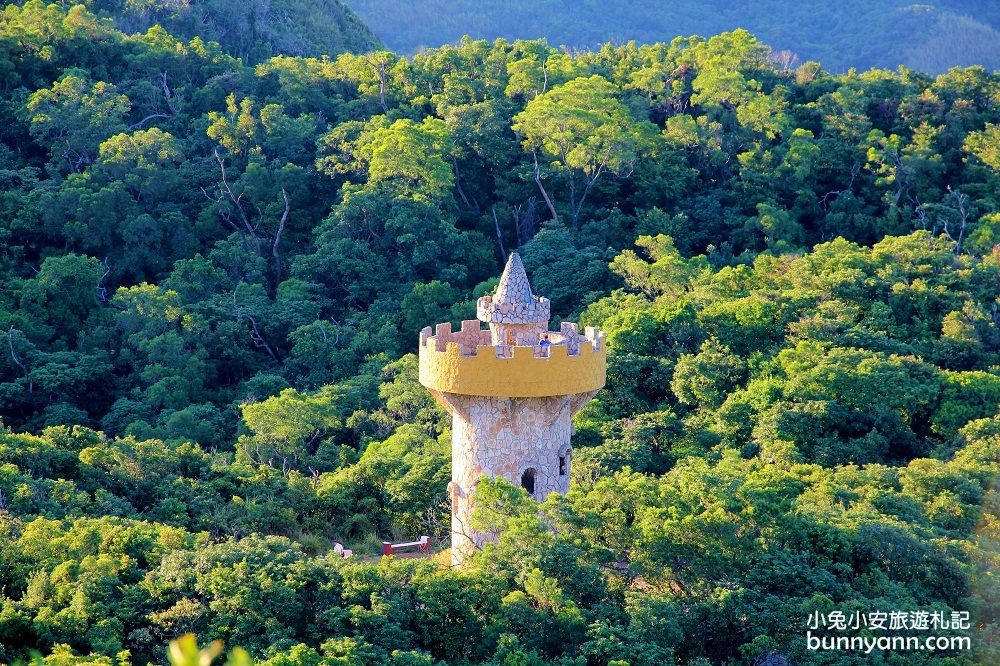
[(513, 302), (513, 286)]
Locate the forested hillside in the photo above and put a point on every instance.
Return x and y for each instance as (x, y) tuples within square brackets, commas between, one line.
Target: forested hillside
[(253, 30), (213, 277), (929, 36)]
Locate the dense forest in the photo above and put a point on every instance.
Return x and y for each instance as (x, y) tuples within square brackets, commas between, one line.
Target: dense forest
[(215, 267), (252, 30), (929, 36)]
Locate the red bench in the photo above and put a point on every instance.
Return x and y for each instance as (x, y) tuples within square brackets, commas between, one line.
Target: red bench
[(423, 546)]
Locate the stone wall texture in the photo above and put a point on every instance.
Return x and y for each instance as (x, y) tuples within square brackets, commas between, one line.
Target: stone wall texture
[(504, 438)]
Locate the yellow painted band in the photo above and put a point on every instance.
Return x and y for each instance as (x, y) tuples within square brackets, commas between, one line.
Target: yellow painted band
[(523, 376)]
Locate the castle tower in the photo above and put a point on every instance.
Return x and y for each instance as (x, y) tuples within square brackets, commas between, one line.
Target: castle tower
[(511, 398)]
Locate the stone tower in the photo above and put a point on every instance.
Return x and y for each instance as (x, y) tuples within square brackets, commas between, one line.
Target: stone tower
[(511, 398)]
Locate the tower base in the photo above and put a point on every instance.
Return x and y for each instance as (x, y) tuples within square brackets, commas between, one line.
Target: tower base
[(523, 440)]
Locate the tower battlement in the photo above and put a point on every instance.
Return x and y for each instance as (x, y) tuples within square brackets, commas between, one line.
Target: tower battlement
[(512, 389), (465, 362)]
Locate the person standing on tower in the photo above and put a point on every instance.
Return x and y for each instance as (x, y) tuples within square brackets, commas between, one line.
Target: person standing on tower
[(545, 343)]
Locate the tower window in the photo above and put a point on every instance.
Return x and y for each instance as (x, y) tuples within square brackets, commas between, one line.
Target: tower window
[(528, 480), (562, 465)]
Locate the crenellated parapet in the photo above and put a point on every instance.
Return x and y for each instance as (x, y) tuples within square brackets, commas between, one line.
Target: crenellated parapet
[(466, 363)]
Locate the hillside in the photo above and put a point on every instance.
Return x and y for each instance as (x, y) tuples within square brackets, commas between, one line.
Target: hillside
[(252, 30), (839, 33)]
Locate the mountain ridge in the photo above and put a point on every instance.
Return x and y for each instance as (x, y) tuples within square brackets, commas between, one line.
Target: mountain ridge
[(841, 35)]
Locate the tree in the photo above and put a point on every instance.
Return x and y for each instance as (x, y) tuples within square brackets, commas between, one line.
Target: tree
[(664, 272), (405, 157), (985, 145), (288, 426), (74, 116), (705, 378), (61, 298), (586, 131)]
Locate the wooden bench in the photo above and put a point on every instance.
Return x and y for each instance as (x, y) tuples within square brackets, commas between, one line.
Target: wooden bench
[(423, 546)]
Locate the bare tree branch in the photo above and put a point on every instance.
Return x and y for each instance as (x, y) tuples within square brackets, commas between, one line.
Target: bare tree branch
[(496, 222), (381, 67), (237, 201), (525, 218), (538, 181), (256, 336), (171, 103), (145, 120), (458, 186), (102, 291), (961, 202), (277, 241), (17, 361)]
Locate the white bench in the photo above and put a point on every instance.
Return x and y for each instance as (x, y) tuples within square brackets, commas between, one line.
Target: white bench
[(423, 545)]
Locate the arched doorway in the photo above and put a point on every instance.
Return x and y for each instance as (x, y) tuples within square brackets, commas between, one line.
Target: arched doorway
[(528, 480)]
